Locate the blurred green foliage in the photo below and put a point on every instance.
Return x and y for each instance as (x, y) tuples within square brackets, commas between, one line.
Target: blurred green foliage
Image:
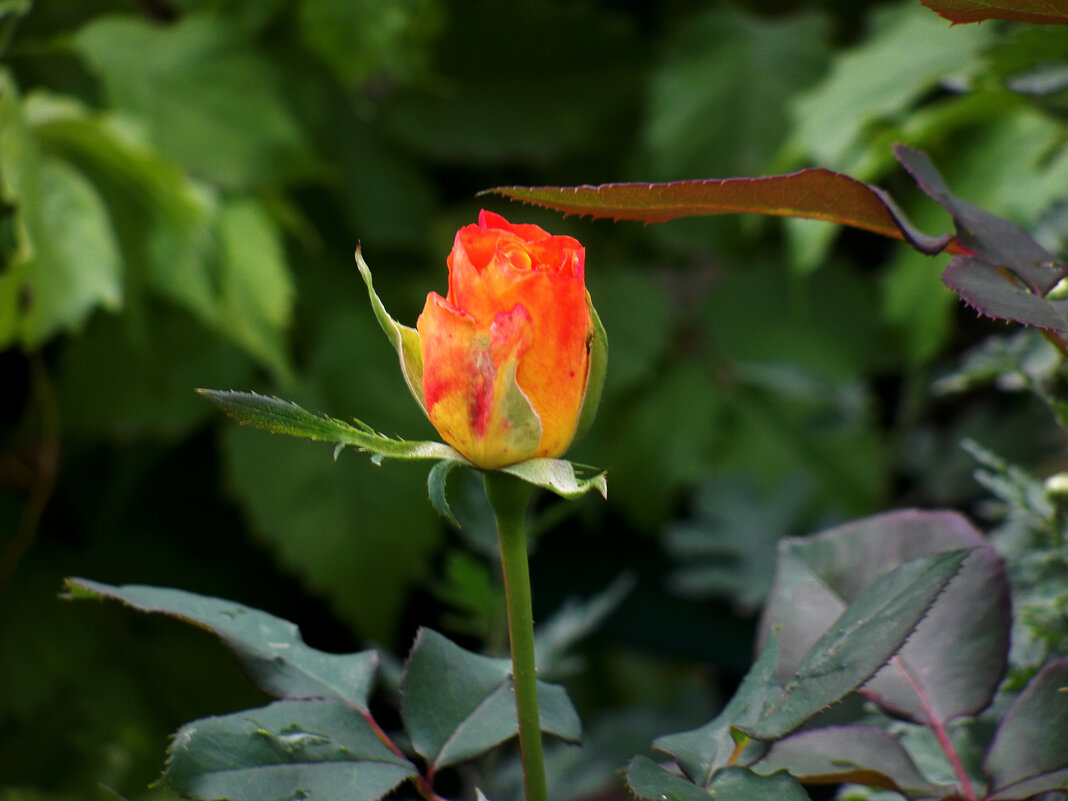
[(183, 184)]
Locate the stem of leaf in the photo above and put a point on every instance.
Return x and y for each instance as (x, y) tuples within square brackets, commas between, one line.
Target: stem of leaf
[(508, 497), (1057, 341), (940, 731)]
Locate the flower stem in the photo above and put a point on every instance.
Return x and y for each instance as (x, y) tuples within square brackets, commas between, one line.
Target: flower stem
[(509, 496)]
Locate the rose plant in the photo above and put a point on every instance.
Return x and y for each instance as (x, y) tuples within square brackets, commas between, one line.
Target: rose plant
[(882, 649)]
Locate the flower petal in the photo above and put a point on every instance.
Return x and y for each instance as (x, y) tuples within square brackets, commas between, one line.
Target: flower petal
[(470, 387)]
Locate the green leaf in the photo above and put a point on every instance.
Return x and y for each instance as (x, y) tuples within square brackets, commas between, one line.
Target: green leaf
[(76, 265), (850, 754), (705, 750), (816, 194), (574, 621), (162, 217), (66, 262), (728, 59), (355, 535), (358, 40), (255, 286), (269, 648), (315, 750), (818, 577), (651, 781), (591, 80), (405, 340), (559, 476), (458, 704), (11, 11), (208, 99), (121, 381), (876, 80), (728, 547), (285, 417), (1027, 756), (858, 643), (1051, 12)]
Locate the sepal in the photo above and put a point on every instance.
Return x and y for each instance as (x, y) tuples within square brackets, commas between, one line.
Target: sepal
[(285, 417), (405, 340), (591, 399), (560, 476)]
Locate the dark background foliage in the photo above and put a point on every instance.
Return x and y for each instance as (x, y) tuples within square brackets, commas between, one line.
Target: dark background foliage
[(183, 185)]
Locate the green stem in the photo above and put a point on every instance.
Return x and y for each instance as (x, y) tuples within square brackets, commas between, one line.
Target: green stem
[(509, 496)]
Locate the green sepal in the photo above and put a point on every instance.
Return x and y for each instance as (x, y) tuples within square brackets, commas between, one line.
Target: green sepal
[(435, 485), (405, 340), (591, 399), (285, 417), (559, 476)]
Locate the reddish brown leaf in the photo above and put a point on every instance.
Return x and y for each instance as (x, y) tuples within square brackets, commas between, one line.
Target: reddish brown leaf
[(1052, 12), (817, 194)]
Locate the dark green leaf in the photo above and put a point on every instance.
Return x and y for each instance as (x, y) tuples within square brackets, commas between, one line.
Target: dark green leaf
[(285, 417), (458, 704), (728, 548), (818, 577), (859, 642), (314, 750), (729, 58), (270, 649), (184, 82), (256, 288), (11, 11), (1028, 754), (649, 780), (740, 784), (361, 40), (574, 621), (120, 381), (849, 754), (590, 80), (703, 751)]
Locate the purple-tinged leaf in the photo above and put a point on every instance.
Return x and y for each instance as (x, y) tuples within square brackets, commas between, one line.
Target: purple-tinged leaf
[(1051, 12), (817, 194), (955, 657), (982, 286), (856, 754), (701, 752), (986, 235), (1029, 754), (858, 642)]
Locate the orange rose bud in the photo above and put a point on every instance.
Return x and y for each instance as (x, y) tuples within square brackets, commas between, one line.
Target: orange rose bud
[(506, 355)]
